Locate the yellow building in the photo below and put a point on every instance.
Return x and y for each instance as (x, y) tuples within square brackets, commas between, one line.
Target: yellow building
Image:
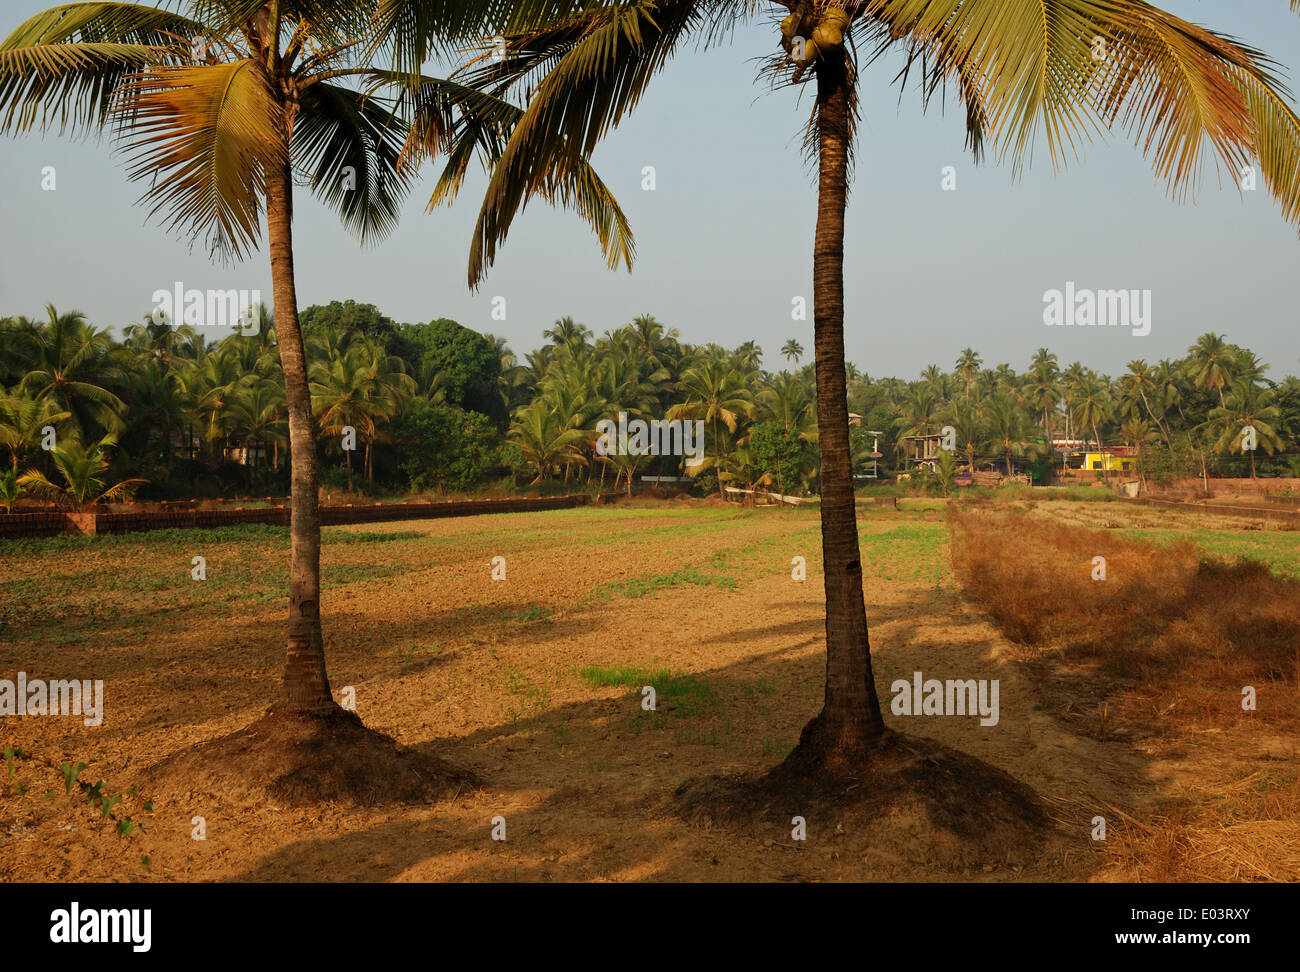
[(1102, 462)]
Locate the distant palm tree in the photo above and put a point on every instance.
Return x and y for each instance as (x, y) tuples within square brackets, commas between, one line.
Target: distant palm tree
[(919, 408), (544, 444), (1091, 406), (566, 333), (157, 340), (23, 420), (967, 367), (209, 385), (158, 401), (788, 400), (1210, 363), (966, 419), (1070, 379), (354, 389), (259, 416), (1247, 404), (715, 393), (1043, 389), (74, 366), (1138, 381), (747, 356), (792, 350), (934, 375), (1004, 421), (83, 472)]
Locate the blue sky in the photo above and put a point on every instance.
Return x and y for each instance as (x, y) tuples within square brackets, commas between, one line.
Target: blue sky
[(724, 240)]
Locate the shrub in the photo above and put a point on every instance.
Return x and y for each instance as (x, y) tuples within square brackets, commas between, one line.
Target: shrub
[(445, 447)]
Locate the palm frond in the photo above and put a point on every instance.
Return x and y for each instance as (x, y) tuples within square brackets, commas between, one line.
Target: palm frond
[(417, 30), (593, 70), (204, 137), (352, 146), (64, 64), (1068, 70)]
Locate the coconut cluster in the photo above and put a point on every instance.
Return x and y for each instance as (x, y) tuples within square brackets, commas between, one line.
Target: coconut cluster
[(819, 32)]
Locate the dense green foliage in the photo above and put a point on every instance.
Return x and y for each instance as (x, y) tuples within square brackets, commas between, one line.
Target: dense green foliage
[(437, 406)]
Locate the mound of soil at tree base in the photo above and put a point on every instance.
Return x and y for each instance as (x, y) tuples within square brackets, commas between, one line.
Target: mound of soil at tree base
[(300, 759), (914, 799)]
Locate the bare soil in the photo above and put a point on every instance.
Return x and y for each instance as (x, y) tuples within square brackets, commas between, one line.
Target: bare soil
[(482, 683)]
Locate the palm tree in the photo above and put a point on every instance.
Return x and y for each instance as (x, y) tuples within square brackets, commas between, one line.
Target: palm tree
[(1005, 423), (83, 470), (966, 419), (258, 417), (157, 402), (967, 367), (1138, 381), (74, 366), (1210, 363), (279, 93), (10, 490), (209, 384), (585, 73), (566, 333), (544, 444), (1091, 405), (23, 420), (715, 392), (156, 340), (933, 375), (1043, 389), (792, 350), (356, 386), (1247, 404), (788, 401), (387, 387), (919, 408)]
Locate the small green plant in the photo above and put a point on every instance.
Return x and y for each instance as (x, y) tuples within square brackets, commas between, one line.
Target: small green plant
[(10, 489), (95, 794), (70, 774), (535, 612), (12, 753)]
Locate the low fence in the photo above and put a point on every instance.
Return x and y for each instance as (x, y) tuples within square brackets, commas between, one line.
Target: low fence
[(1290, 517), (53, 524), (1283, 500)]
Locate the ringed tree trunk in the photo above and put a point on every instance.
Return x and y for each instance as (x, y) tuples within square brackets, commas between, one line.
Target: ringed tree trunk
[(305, 687), (842, 734)]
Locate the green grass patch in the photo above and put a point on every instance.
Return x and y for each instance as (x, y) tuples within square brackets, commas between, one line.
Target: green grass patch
[(648, 584), (1279, 549), (532, 613), (664, 681)]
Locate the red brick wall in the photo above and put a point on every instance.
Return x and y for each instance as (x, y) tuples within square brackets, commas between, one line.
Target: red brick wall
[(50, 524)]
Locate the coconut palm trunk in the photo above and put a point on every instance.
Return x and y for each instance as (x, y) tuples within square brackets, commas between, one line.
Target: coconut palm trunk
[(305, 686), (850, 718)]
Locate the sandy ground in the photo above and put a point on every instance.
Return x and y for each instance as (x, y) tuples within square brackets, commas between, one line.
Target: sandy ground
[(485, 674)]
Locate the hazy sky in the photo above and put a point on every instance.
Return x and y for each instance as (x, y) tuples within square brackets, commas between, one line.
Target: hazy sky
[(725, 238)]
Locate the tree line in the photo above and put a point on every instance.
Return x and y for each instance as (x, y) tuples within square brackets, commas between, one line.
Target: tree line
[(163, 412)]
